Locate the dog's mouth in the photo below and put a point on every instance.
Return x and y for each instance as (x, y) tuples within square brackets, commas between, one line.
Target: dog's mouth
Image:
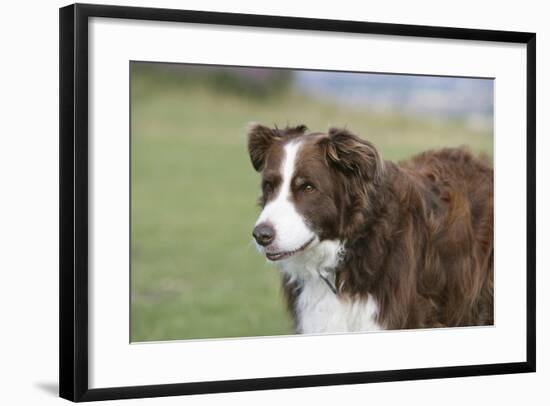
[(277, 256)]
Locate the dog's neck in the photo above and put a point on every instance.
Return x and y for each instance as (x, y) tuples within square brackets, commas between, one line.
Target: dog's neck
[(314, 298), (318, 262)]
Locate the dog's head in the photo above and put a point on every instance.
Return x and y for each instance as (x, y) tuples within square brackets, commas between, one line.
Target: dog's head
[(315, 187)]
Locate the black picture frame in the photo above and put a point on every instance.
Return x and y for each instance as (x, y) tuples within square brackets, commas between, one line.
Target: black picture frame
[(73, 254)]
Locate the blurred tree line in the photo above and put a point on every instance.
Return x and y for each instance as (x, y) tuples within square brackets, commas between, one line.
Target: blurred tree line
[(251, 82)]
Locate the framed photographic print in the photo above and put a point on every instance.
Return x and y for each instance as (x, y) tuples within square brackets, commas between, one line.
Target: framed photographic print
[(256, 202)]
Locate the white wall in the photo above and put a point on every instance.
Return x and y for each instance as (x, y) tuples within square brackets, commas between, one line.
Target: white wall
[(29, 182)]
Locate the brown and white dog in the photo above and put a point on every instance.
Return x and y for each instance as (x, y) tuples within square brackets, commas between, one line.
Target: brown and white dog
[(366, 244)]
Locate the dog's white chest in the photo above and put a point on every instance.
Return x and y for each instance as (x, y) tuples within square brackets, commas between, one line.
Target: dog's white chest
[(319, 310)]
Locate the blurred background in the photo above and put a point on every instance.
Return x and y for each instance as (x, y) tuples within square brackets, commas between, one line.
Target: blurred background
[(195, 272)]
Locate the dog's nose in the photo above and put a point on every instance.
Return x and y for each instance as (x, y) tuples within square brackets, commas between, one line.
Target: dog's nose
[(264, 233)]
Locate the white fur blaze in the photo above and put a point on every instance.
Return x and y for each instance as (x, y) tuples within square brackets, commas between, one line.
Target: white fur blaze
[(291, 231)]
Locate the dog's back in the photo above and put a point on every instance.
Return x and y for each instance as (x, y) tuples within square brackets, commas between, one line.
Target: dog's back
[(458, 193)]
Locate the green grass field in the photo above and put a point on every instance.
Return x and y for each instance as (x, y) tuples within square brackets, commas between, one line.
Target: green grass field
[(195, 272)]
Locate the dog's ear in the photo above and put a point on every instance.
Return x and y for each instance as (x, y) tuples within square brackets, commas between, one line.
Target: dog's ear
[(362, 169), (352, 155), (260, 139)]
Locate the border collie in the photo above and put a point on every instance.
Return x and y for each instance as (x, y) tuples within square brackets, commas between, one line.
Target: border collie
[(366, 244)]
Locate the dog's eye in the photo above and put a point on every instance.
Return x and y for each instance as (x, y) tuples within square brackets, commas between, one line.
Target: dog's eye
[(308, 187), (267, 187)]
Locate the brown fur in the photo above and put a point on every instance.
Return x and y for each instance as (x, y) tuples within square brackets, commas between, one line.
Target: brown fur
[(419, 234)]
